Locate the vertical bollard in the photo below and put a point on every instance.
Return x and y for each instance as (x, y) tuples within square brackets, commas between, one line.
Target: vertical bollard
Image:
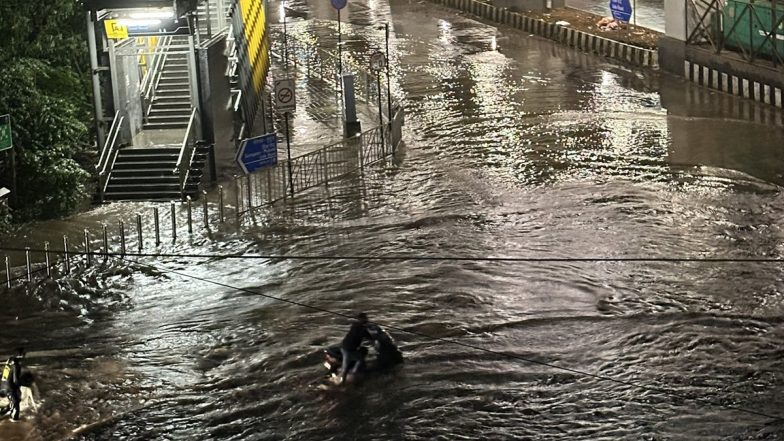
[(87, 253), (206, 218), (190, 216), (237, 189), (27, 264), (7, 273), (122, 240), (174, 223), (220, 203), (46, 256), (156, 221), (139, 232), (65, 252), (105, 243)]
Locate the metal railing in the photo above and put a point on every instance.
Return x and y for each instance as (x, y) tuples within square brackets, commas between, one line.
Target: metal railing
[(154, 73), (109, 154), (747, 33), (314, 169), (188, 150)]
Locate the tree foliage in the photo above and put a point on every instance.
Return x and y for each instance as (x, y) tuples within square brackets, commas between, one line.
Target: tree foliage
[(45, 87)]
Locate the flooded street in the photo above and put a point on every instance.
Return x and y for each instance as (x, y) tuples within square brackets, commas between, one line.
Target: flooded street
[(600, 179)]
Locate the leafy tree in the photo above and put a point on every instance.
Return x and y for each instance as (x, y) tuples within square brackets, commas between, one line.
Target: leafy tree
[(44, 85)]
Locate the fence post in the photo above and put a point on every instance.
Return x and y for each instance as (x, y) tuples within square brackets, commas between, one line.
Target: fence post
[(27, 265), (237, 189), (46, 256), (220, 203), (88, 255), (173, 222), (122, 240), (139, 231), (105, 243), (206, 219), (7, 273), (250, 192), (156, 221), (190, 215), (65, 252)]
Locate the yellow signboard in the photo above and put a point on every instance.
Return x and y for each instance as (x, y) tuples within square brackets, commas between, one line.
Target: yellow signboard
[(115, 30)]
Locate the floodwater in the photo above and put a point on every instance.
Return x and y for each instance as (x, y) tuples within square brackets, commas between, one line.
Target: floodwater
[(514, 147)]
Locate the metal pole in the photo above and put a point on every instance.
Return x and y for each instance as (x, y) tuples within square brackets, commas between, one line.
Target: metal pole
[(340, 50), (65, 252), (285, 38), (139, 231), (7, 273), (157, 223), (206, 219), (173, 223), (87, 253), (220, 203), (96, 80), (122, 239), (288, 152), (105, 243), (27, 264), (237, 188), (46, 256), (190, 215), (250, 193), (389, 88), (380, 114)]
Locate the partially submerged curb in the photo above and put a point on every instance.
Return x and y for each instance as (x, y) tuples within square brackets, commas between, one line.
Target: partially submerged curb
[(585, 41)]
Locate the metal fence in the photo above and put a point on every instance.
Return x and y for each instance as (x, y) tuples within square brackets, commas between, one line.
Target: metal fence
[(752, 30)]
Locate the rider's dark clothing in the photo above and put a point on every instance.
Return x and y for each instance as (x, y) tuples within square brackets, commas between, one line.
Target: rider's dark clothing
[(350, 347), (355, 335), (10, 385)]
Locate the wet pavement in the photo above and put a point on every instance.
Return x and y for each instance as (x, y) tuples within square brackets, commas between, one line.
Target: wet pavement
[(514, 147)]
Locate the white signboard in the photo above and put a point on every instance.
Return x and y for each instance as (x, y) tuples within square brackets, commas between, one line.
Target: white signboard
[(285, 99)]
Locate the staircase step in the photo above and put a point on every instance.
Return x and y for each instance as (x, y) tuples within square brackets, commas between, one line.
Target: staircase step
[(173, 90), (154, 158), (156, 126), (140, 195), (168, 118), (158, 149), (181, 107)]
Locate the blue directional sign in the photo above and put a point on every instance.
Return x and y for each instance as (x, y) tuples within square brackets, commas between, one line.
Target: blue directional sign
[(339, 4), (621, 10), (256, 153)]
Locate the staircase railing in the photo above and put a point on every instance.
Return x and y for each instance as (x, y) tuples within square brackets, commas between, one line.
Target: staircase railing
[(188, 150), (109, 154), (153, 77)]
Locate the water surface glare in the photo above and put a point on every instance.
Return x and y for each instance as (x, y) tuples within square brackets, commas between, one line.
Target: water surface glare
[(513, 147)]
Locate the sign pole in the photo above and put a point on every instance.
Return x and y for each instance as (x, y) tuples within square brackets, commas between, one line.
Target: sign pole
[(14, 196), (380, 115), (340, 48), (288, 152), (389, 89)]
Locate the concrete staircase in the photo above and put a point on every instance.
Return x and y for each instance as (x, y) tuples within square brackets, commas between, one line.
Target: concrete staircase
[(147, 174), (171, 104)]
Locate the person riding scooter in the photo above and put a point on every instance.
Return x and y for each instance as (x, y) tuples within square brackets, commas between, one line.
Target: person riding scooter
[(11, 385)]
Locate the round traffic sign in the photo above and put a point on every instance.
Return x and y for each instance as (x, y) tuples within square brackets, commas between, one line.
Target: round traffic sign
[(377, 61), (285, 95), (339, 4)]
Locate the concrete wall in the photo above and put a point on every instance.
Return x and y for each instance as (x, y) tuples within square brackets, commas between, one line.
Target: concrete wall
[(527, 5), (570, 37), (216, 112), (675, 19)]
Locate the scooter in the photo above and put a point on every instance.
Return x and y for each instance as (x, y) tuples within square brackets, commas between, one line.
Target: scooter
[(387, 355)]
